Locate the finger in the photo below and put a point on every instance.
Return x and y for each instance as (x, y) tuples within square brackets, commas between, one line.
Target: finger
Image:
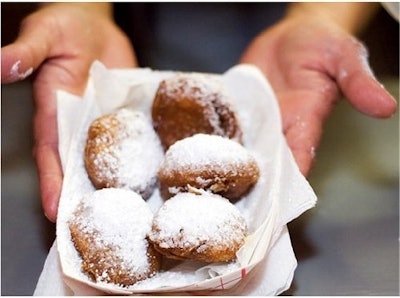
[(359, 86), (303, 136), (303, 114), (11, 68), (46, 148), (50, 177), (21, 58)]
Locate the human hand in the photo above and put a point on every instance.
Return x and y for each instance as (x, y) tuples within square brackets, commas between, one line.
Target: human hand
[(309, 62), (57, 44)]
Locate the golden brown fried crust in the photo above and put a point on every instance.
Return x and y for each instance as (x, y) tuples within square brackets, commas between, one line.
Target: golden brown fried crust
[(105, 128), (231, 184), (177, 115), (202, 252)]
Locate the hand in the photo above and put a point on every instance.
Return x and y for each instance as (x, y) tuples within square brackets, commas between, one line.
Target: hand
[(57, 44), (308, 63)]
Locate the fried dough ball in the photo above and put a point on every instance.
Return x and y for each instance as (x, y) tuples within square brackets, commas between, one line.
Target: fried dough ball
[(208, 162), (204, 227), (123, 150), (109, 229), (190, 103)]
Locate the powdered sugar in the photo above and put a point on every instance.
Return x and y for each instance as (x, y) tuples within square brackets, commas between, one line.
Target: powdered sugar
[(122, 219), (198, 85), (134, 153), (140, 154), (202, 221), (202, 150), (16, 74)]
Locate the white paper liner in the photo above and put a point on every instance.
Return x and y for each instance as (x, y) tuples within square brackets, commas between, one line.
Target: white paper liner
[(280, 195)]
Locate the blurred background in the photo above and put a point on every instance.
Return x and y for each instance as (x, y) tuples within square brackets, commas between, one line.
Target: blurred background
[(347, 245)]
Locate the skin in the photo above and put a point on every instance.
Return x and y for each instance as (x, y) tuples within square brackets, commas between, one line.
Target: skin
[(310, 58), (58, 43)]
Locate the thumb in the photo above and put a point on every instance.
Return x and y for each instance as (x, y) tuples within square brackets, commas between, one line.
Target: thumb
[(22, 57), (359, 85)]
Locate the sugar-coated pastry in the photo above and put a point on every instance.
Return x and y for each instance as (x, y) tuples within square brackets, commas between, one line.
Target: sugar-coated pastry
[(208, 162), (204, 227), (109, 229), (123, 150), (190, 103)]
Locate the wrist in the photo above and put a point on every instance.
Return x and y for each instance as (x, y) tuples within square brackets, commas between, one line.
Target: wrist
[(351, 16), (104, 9)]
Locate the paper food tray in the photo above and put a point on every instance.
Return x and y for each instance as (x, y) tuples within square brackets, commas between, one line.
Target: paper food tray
[(280, 195)]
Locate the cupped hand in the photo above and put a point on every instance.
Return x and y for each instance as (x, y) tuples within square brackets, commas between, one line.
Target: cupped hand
[(57, 44), (309, 63)]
